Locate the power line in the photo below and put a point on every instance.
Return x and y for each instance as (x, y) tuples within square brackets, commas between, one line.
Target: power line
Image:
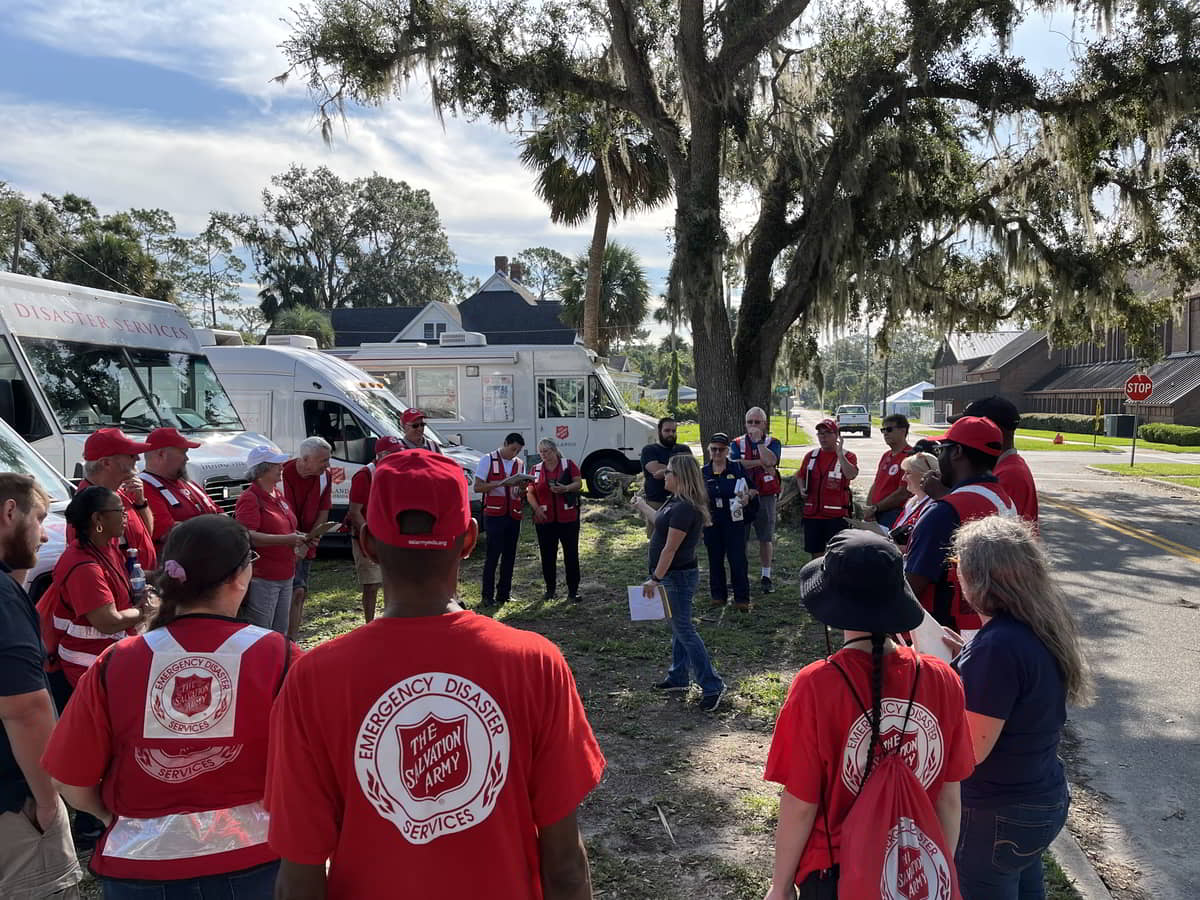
[(65, 249)]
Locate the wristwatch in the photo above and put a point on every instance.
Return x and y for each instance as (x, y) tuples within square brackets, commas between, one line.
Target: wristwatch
[(141, 505)]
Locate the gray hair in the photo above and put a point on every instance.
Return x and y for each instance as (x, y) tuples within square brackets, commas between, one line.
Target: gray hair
[(255, 471), (312, 445), (92, 466), (547, 444), (762, 414)]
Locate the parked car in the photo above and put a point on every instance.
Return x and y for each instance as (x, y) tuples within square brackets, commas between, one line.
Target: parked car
[(854, 418)]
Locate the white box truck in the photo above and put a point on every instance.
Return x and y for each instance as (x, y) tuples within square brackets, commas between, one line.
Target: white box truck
[(484, 392), (75, 359), (288, 390)]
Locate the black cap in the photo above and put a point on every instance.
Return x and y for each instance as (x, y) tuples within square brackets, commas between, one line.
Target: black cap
[(719, 438), (859, 585), (1002, 412)]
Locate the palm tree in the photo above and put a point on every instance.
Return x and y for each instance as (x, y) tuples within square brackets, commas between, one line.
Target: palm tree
[(593, 158), (624, 295)]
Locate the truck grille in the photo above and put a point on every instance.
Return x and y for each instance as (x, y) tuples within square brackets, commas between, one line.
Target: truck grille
[(225, 491)]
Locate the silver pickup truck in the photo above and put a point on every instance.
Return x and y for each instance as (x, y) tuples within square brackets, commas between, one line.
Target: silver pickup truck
[(854, 418)]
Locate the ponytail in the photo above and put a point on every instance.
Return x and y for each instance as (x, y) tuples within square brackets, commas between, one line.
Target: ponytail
[(876, 717), (200, 555)]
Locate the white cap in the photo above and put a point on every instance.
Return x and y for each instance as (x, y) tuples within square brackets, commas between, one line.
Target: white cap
[(265, 453)]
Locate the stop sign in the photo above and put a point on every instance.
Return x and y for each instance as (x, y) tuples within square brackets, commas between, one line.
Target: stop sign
[(1139, 388)]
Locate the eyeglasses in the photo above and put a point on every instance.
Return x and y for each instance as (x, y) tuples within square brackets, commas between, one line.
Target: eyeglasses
[(890, 428), (117, 510), (416, 424), (754, 421), (255, 556)]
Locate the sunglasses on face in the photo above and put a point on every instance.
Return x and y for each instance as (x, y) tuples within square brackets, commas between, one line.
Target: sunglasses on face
[(887, 429), (754, 421), (416, 424)]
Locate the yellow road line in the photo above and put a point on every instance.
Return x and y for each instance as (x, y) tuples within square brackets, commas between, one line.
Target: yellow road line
[(1154, 540)]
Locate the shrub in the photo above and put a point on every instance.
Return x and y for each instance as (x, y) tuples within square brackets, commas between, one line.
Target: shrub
[(687, 412), (655, 408), (1071, 423), (1180, 435)]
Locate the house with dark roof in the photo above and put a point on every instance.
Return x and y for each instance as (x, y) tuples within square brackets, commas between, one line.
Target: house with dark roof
[(503, 310), (972, 365)]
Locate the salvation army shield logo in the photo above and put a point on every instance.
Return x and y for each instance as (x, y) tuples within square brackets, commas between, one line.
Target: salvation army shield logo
[(893, 469), (914, 867), (192, 694), (920, 744), (432, 755), (562, 432)]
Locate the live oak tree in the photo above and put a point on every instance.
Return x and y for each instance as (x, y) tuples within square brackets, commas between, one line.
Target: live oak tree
[(892, 144)]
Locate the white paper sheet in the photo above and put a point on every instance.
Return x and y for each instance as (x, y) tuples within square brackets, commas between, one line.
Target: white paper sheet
[(642, 608)]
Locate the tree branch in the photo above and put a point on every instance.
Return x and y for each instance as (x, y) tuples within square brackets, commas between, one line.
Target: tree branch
[(755, 37)]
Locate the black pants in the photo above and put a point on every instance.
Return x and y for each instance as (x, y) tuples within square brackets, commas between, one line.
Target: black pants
[(726, 539), (502, 532), (819, 886), (550, 535)]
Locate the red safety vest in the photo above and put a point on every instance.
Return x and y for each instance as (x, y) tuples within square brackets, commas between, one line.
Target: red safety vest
[(184, 498), (189, 750), (556, 504), (830, 498), (765, 478), (509, 501), (971, 501)]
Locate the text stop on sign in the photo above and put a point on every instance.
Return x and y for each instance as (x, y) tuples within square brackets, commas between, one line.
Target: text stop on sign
[(1139, 388)]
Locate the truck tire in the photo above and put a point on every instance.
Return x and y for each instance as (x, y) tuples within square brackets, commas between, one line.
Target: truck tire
[(600, 472)]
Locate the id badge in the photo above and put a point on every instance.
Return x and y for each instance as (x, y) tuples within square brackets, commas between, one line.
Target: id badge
[(720, 502), (767, 478)]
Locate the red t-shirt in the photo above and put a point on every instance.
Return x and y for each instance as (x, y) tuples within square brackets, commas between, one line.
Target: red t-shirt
[(822, 736), (309, 497), (175, 721), (889, 476), (174, 500), (360, 487), (1014, 476), (85, 580), (137, 535), (269, 514), (427, 752)]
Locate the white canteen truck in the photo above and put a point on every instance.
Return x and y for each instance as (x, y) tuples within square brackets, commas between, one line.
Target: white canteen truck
[(483, 392), (76, 359), (289, 390)]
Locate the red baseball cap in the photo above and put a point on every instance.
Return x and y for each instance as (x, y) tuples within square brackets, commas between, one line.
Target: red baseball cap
[(423, 481), (412, 415), (387, 443), (975, 432), (830, 424), (169, 437), (111, 442)]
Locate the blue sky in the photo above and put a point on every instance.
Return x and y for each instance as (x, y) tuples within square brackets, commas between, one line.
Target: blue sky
[(169, 103)]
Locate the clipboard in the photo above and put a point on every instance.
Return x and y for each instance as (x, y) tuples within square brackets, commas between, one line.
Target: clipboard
[(321, 530), (645, 609)]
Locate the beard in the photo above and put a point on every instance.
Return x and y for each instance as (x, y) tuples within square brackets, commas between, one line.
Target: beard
[(945, 471), (17, 553), (666, 441)]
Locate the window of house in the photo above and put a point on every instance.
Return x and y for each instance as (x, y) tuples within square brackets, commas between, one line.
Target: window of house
[(345, 432), (434, 330), (560, 398), (397, 383), (435, 391)]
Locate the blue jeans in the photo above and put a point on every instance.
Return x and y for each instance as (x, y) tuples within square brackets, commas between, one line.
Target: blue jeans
[(687, 649), (268, 604), (999, 855), (249, 884)]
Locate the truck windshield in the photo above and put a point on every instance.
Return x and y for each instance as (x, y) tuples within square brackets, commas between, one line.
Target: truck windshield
[(93, 386), (17, 456), (614, 396), (387, 411)]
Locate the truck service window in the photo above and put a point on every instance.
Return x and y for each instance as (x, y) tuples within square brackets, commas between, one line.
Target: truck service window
[(560, 398), (436, 392), (17, 404)]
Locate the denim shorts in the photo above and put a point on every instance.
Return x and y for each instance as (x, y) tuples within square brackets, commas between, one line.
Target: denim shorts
[(300, 579)]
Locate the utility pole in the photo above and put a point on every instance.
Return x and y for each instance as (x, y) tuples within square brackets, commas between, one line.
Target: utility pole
[(16, 257), (867, 371), (887, 358)]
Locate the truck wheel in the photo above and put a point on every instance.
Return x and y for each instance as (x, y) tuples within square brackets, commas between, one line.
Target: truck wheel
[(601, 474)]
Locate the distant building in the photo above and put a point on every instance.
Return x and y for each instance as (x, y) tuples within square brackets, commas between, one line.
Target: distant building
[(504, 310), (686, 394), (908, 401), (628, 381)]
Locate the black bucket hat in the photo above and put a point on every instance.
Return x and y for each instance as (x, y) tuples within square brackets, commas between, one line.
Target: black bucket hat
[(859, 585)]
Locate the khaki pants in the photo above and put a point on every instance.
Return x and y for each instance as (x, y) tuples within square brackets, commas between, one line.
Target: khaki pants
[(35, 865)]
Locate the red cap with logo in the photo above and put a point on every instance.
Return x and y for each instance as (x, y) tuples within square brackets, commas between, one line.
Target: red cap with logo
[(388, 444), (417, 480), (412, 415), (169, 437), (975, 432), (827, 425), (111, 442)]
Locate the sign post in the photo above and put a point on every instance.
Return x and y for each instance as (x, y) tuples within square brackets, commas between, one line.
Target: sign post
[(1137, 390)]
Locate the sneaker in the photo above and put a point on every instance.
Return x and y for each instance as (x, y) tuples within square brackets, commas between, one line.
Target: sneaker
[(716, 603), (767, 586), (574, 598), (669, 687), (710, 702), (549, 595), (743, 607)]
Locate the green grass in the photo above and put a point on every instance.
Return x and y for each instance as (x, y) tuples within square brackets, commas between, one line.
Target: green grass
[(1152, 469), (689, 432), (1105, 441), (1058, 886), (1026, 444)]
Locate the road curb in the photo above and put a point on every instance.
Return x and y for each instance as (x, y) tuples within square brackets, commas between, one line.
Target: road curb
[(1107, 472), (1171, 484), (1161, 482), (1077, 867)]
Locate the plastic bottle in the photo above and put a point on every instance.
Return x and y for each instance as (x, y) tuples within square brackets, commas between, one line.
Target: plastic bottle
[(137, 578)]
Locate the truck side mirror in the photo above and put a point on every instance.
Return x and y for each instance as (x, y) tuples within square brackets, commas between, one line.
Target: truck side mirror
[(454, 439)]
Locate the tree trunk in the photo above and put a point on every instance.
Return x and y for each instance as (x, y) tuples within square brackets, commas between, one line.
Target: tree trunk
[(595, 276)]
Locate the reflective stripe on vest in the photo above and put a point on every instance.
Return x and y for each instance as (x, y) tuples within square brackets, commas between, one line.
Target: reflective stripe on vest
[(558, 502), (87, 632), (1001, 506), (322, 482), (185, 835), (162, 488), (78, 657), (817, 501), (970, 502), (765, 478), (508, 501)]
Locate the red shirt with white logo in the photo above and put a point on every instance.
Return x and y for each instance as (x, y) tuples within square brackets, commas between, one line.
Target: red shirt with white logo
[(85, 579), (173, 727), (822, 737), (423, 754), (1014, 476), (137, 535), (174, 500), (309, 496), (268, 514), (889, 476)]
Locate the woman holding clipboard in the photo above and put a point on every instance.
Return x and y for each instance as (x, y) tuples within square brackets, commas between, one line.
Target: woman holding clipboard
[(678, 525), (554, 496)]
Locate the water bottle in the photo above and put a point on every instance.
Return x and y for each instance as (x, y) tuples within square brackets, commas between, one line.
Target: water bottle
[(137, 578)]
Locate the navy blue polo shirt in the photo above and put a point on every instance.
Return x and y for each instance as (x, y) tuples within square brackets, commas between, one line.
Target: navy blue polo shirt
[(21, 672), (929, 544), (1009, 674), (655, 489)]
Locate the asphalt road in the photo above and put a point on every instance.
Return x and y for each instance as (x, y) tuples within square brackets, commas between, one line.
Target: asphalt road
[(1128, 554)]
